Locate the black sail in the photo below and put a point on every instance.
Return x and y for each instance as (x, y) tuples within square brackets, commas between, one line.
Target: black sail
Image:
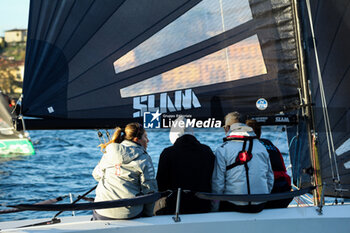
[(90, 62), (332, 30)]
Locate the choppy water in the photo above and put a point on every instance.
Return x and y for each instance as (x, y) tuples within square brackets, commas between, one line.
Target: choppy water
[(64, 161)]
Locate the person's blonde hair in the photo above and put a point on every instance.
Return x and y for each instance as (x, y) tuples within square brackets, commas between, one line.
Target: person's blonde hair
[(231, 118), (131, 131)]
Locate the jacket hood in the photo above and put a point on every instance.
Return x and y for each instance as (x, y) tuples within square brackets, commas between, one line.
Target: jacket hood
[(126, 151), (186, 139), (179, 128), (240, 129)]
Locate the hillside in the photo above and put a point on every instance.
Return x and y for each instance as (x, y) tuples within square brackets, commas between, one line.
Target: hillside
[(14, 52), (11, 69)]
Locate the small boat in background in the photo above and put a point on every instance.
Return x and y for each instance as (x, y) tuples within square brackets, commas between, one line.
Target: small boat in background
[(12, 142)]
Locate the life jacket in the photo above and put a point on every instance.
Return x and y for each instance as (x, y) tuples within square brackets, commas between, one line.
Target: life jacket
[(244, 156), (277, 162)]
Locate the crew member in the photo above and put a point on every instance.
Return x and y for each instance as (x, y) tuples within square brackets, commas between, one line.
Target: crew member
[(125, 171), (188, 165), (242, 166), (282, 181)]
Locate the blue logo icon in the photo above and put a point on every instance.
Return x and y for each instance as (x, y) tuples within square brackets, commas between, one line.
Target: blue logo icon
[(151, 120), (261, 104)]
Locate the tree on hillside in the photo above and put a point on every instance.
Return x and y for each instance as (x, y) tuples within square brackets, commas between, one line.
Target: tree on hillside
[(2, 46)]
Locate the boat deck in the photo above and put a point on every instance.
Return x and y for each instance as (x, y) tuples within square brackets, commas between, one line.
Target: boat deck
[(333, 219)]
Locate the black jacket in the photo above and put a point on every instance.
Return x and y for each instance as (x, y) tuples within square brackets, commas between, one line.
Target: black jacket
[(188, 165)]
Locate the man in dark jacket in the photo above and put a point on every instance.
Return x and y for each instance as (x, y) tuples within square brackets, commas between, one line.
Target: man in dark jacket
[(188, 165)]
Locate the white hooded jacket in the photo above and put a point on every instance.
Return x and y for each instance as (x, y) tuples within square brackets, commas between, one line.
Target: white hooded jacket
[(125, 171), (234, 181)]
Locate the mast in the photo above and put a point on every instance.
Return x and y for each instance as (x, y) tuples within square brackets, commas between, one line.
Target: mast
[(306, 107)]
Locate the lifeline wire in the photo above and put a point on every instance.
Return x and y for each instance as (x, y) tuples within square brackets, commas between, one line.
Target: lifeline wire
[(330, 142)]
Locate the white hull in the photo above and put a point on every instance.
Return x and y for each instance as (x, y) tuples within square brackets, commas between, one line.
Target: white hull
[(291, 220)]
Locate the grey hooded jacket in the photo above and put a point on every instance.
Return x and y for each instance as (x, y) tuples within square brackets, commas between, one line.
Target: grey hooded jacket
[(234, 181), (125, 171)]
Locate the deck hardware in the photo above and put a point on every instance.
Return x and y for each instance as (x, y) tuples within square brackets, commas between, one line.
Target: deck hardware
[(176, 218), (71, 201), (320, 205)]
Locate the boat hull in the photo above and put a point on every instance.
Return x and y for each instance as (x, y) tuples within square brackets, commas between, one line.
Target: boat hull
[(289, 220), (15, 147)]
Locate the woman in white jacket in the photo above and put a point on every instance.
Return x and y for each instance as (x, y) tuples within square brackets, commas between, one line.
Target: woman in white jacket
[(233, 179), (125, 171)]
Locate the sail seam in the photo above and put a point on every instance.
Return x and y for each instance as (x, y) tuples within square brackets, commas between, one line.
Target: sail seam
[(77, 26), (332, 44), (186, 55), (334, 37), (64, 22), (226, 49), (51, 20), (141, 33), (30, 50)]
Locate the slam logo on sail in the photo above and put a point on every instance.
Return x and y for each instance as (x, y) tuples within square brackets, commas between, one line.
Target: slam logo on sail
[(182, 100)]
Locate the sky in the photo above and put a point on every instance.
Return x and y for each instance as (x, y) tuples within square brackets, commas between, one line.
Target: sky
[(13, 14)]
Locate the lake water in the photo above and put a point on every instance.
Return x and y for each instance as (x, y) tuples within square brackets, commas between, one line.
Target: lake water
[(64, 161)]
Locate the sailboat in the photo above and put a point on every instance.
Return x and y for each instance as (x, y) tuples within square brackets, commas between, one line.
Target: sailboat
[(98, 64), (12, 143)]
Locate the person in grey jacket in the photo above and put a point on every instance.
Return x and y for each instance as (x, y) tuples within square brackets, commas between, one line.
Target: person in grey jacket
[(233, 179), (125, 171)]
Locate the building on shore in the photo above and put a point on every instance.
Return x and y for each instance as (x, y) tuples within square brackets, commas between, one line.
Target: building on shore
[(11, 77), (16, 36)]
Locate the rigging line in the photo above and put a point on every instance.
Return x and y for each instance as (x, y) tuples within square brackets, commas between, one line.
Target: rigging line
[(303, 200), (338, 122), (297, 159), (78, 199), (346, 136), (323, 99), (307, 196), (295, 154), (135, 38), (292, 140), (314, 165), (339, 84), (277, 141)]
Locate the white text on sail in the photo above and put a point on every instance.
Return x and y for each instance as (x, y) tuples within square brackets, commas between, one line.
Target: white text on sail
[(182, 100)]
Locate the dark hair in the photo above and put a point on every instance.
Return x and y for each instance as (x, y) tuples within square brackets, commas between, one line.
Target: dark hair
[(131, 131), (255, 126)]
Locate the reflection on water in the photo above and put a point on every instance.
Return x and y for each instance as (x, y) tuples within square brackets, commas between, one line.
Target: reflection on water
[(64, 161)]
